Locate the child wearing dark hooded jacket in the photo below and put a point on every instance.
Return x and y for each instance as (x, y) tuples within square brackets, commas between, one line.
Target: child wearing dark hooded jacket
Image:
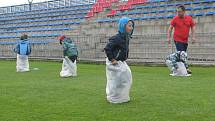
[(119, 77)]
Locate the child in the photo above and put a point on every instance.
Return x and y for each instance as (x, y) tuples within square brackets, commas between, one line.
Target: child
[(70, 52), (119, 77), (22, 49), (177, 63)]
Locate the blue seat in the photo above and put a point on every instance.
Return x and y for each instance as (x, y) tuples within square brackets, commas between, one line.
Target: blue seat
[(170, 16), (163, 5), (39, 42), (189, 8), (146, 18), (115, 20), (198, 8), (210, 13), (7, 43), (142, 18), (206, 1), (7, 37), (196, 2), (199, 14), (207, 7), (154, 11), (152, 17), (145, 12), (171, 4), (190, 14), (187, 3), (160, 17), (106, 20), (161, 11), (100, 21), (170, 10)]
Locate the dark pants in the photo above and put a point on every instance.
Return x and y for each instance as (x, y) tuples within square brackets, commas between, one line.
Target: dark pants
[(181, 46), (73, 58)]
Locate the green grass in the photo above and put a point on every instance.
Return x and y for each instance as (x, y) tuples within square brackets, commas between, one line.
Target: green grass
[(155, 96)]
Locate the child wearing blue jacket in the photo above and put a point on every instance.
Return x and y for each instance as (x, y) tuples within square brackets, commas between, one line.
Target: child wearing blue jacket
[(23, 50), (119, 77)]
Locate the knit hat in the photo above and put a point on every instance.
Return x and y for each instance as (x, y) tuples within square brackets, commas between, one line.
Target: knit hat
[(61, 38)]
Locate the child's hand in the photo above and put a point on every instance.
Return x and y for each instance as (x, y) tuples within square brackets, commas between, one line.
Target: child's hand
[(114, 62)]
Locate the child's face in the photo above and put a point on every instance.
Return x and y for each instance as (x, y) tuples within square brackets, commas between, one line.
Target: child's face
[(129, 27)]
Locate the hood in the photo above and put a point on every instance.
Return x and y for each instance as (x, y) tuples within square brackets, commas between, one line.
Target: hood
[(122, 22)]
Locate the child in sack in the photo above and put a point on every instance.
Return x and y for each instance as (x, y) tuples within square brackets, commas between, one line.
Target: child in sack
[(70, 52), (118, 73), (23, 50)]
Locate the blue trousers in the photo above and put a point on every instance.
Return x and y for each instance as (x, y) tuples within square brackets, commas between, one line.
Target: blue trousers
[(181, 46)]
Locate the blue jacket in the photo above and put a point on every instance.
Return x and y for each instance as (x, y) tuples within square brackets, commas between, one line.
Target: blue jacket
[(23, 47), (118, 46)]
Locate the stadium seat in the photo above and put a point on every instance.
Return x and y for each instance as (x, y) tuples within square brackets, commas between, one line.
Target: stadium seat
[(170, 16), (207, 7), (112, 13), (210, 13), (199, 14), (198, 8), (189, 8), (197, 2)]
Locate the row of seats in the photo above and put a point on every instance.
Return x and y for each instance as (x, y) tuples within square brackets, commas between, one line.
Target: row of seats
[(164, 10), (153, 7), (156, 17), (32, 42), (43, 20), (36, 30), (76, 7), (187, 2), (44, 13), (48, 15), (168, 5), (55, 21), (32, 36), (40, 25)]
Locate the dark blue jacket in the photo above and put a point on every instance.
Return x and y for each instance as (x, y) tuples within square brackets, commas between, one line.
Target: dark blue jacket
[(118, 46)]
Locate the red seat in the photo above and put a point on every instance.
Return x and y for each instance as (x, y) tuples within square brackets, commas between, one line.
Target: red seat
[(125, 7), (112, 13), (114, 1), (89, 14), (107, 4)]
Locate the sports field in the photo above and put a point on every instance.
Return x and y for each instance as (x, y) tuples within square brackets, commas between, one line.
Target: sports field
[(41, 95)]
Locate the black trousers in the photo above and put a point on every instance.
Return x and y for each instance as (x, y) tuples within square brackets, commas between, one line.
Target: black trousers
[(181, 46)]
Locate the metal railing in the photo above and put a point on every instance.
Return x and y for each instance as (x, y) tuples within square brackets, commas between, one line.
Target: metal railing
[(143, 48), (43, 5)]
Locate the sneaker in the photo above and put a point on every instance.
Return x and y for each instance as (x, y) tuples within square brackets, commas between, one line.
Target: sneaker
[(189, 71)]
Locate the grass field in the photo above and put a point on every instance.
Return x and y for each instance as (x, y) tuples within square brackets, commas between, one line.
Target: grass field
[(155, 96)]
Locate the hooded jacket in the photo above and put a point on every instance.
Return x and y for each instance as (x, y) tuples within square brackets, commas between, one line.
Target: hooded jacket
[(118, 46)]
